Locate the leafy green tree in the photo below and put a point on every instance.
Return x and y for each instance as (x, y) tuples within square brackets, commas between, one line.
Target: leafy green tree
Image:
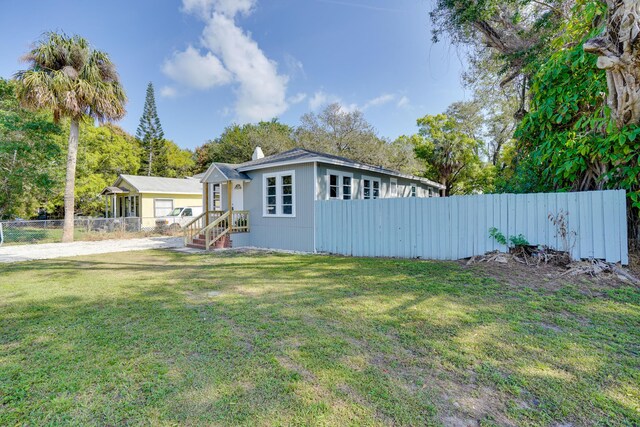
[(105, 152), (30, 159), (175, 162), (72, 79), (450, 155), (618, 50), (343, 133), (515, 30), (401, 156), (151, 135), (237, 143)]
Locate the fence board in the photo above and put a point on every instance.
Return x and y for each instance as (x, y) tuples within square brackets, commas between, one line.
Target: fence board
[(458, 227)]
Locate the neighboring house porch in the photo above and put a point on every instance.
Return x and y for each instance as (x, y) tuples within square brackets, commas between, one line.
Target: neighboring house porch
[(149, 197)]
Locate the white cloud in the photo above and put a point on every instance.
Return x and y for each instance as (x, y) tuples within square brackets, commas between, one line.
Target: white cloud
[(262, 91), (378, 101), (195, 70), (321, 98), (348, 108), (232, 57), (168, 92), (297, 98), (204, 8), (403, 102), (294, 66)]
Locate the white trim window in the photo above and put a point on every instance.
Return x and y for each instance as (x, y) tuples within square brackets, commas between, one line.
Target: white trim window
[(279, 194), (162, 207), (216, 197), (370, 187), (414, 190), (393, 187), (339, 185)]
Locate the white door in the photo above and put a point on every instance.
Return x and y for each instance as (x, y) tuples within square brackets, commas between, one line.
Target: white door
[(237, 195)]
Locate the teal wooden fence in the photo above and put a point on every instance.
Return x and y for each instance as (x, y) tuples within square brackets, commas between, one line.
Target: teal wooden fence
[(457, 227)]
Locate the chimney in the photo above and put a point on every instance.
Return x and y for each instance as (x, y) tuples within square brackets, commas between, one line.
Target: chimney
[(257, 154)]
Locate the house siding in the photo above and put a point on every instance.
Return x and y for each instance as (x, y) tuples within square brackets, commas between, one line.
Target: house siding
[(404, 185), (179, 201), (298, 233), (288, 233)]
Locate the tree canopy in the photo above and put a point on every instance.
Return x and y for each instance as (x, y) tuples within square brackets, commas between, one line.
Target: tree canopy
[(70, 78), (30, 158), (150, 135), (450, 153)]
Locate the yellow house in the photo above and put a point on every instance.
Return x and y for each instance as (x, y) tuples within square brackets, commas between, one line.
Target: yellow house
[(149, 197)]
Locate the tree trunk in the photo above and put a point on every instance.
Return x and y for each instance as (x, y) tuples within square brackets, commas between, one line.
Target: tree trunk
[(70, 182), (618, 50), (150, 160)]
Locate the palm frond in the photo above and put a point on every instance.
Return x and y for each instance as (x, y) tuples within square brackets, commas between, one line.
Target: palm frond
[(71, 78)]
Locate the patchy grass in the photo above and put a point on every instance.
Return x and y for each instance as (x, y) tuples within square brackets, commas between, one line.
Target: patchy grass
[(32, 235), (165, 338), (26, 235)]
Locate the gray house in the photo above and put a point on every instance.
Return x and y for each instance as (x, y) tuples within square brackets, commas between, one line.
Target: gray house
[(268, 202)]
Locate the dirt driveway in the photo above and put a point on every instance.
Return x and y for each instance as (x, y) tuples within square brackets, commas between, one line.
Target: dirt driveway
[(57, 250)]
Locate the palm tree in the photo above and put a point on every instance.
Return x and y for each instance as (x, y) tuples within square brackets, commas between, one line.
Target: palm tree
[(67, 76)]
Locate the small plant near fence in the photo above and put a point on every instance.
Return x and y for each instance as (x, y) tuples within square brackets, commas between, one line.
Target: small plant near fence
[(525, 252), (512, 242), (568, 237), (519, 246)]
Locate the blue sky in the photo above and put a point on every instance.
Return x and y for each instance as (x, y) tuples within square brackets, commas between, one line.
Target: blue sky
[(216, 62)]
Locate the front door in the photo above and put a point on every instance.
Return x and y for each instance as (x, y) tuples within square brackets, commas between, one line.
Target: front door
[(237, 195)]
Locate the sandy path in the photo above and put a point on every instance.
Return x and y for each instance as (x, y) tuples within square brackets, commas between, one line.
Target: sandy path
[(58, 250)]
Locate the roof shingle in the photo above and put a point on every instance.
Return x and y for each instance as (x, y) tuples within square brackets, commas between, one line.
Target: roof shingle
[(154, 184)]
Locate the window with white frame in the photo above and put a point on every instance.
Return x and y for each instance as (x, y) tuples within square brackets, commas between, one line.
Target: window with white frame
[(346, 187), (370, 187), (216, 197), (393, 187), (340, 185), (414, 190), (162, 207), (279, 194)]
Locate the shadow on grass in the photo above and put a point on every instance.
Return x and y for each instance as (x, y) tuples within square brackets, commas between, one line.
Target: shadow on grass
[(302, 340)]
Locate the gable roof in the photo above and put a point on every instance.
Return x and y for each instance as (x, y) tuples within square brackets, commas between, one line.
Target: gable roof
[(155, 184), (301, 155), (228, 171)]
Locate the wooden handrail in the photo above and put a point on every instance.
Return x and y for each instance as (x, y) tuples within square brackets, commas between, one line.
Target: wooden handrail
[(222, 222), (240, 221), (215, 224), (187, 225), (193, 226)]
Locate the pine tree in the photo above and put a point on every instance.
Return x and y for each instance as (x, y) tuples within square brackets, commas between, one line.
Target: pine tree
[(150, 133)]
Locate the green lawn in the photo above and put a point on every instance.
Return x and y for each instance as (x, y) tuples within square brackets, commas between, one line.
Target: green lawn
[(163, 338), (28, 235), (31, 235)]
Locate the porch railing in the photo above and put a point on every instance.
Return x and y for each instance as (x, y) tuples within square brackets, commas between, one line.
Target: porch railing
[(239, 221), (216, 230), (193, 227), (220, 223)]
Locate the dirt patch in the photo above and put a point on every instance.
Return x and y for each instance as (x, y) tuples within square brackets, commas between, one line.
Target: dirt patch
[(544, 276)]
